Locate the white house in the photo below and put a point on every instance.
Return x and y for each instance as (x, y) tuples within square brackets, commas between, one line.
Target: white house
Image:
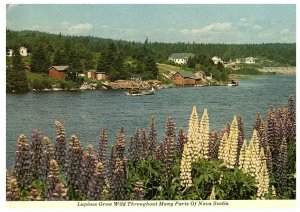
[(217, 60), (23, 51), (180, 58), (10, 52), (209, 77), (249, 60)]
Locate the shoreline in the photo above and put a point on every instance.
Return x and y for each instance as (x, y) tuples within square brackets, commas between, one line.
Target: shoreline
[(289, 70)]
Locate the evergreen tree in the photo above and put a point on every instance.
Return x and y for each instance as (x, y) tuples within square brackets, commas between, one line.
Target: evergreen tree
[(16, 81), (17, 62), (151, 68), (60, 57), (75, 67), (39, 59)]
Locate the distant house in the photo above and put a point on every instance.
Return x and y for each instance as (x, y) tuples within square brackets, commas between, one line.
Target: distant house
[(58, 72), (217, 60), (9, 52), (93, 74), (136, 78), (249, 60), (209, 77), (180, 58), (23, 51), (101, 75), (184, 78)]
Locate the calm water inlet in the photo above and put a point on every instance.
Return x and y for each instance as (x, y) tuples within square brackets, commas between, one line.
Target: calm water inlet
[(85, 113)]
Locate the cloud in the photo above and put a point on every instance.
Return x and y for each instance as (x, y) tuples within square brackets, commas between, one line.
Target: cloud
[(285, 32), (257, 27), (248, 23), (80, 28), (212, 28)]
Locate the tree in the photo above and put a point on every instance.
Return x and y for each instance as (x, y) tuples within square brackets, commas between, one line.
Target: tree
[(191, 63), (151, 68), (39, 59), (16, 81), (60, 57), (17, 62), (75, 67)]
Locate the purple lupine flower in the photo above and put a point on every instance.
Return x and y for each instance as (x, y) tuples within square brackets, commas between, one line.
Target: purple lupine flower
[(34, 195), (152, 137), (96, 184), (60, 193), (136, 148), (102, 148), (169, 145), (269, 160), (22, 168), (182, 139), (118, 182), (290, 134), (271, 129), (292, 110), (281, 116), (112, 162), (88, 165), (213, 145), (60, 145), (170, 128), (292, 116), (262, 136), (160, 152), (73, 163), (259, 122), (120, 144), (37, 155), (131, 148), (52, 179), (281, 180), (48, 155), (241, 137), (139, 191), (144, 141), (169, 155)]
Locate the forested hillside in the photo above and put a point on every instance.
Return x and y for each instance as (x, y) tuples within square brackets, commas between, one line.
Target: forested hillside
[(89, 48)]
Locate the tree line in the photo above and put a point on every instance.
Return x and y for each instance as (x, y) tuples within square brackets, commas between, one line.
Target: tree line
[(89, 48)]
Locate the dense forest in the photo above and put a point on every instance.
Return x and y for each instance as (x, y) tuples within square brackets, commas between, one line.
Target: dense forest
[(89, 47)]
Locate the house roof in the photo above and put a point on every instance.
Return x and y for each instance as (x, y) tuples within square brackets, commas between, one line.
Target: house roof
[(249, 58), (97, 72), (186, 74), (60, 68), (216, 58), (22, 47), (181, 55)]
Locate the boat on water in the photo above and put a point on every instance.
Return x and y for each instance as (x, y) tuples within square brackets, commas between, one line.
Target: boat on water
[(233, 83), (139, 92)]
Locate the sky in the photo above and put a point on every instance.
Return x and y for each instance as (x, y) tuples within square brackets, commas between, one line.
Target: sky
[(201, 23)]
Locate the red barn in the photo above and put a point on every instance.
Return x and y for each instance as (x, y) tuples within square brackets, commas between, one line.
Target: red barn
[(183, 78), (58, 72)]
